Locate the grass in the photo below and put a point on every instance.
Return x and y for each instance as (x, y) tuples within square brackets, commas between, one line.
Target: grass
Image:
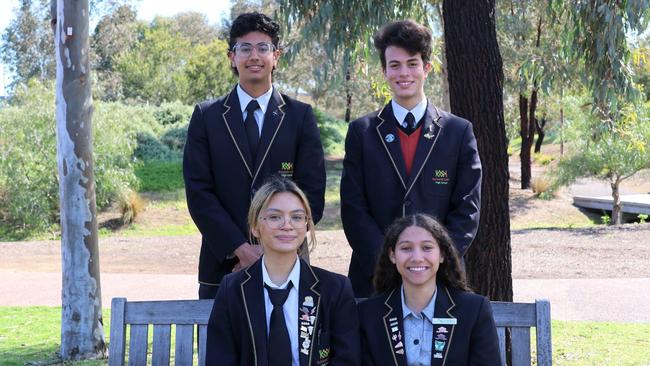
[(160, 176), (32, 335)]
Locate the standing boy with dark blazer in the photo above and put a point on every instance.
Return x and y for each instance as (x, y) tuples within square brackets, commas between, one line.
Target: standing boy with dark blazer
[(408, 157), (234, 143)]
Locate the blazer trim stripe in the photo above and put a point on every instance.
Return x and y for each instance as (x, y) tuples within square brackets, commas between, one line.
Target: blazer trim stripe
[(436, 119), (223, 115), (386, 147), (451, 336), (313, 289), (390, 310), (257, 171), (248, 317)]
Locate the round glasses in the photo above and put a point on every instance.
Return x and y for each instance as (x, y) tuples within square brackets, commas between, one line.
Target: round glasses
[(245, 49), (276, 221)]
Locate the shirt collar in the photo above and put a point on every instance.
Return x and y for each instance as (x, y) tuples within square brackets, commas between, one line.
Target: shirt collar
[(428, 310), (400, 112), (294, 275), (262, 100)]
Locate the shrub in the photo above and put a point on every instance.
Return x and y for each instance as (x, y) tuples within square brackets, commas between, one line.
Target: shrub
[(540, 185), (175, 138), (332, 133), (542, 159), (172, 113), (160, 176), (150, 148), (131, 205)]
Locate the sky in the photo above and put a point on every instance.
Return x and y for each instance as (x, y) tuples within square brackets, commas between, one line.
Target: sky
[(147, 10)]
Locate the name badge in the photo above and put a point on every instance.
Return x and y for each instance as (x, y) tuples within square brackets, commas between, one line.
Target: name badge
[(445, 321)]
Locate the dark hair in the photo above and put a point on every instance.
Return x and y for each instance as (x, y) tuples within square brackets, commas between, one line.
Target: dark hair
[(407, 34), (253, 22), (450, 273)]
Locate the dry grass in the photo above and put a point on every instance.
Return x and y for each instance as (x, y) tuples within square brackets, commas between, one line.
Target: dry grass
[(131, 205)]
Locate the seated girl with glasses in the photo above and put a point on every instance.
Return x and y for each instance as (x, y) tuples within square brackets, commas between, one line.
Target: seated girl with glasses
[(281, 311), (425, 313)]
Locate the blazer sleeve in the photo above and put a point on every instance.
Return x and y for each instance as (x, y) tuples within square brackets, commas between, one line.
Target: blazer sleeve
[(362, 231), (484, 341), (221, 349), (345, 340), (309, 172), (216, 225), (463, 217)]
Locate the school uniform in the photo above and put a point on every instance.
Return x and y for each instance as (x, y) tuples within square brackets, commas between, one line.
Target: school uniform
[(443, 179), (464, 332), (221, 175), (327, 326)]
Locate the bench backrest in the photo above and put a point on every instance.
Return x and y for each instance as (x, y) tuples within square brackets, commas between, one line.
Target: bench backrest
[(519, 318), (186, 314)]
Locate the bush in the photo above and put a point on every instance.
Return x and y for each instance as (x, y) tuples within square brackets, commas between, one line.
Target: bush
[(131, 205), (175, 138), (172, 113), (150, 148), (332, 133), (542, 159)]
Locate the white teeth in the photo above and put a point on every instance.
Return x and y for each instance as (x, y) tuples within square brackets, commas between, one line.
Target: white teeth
[(417, 269)]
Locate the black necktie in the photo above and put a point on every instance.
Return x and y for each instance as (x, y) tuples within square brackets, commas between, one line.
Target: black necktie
[(410, 122), (279, 343), (252, 131)]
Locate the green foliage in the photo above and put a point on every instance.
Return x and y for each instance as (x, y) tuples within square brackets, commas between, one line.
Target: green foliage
[(172, 113), (175, 138), (160, 176), (150, 148), (643, 218), (606, 219), (209, 70), (543, 159), (332, 133)]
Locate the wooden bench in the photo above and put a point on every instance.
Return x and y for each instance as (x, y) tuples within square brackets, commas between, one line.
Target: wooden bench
[(186, 314), (519, 318)]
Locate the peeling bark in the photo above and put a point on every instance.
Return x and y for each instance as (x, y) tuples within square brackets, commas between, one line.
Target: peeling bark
[(82, 333)]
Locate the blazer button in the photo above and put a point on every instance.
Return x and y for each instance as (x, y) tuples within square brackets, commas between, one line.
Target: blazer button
[(253, 191), (407, 203)]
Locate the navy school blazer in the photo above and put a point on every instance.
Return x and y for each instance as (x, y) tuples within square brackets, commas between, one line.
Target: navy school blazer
[(472, 340), (445, 182), (221, 176), (328, 321)]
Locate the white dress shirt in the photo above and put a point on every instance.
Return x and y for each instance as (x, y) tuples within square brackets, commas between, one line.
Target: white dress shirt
[(400, 112), (262, 100), (290, 308)]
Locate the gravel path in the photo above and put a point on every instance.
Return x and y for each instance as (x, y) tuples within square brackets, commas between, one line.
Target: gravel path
[(571, 267)]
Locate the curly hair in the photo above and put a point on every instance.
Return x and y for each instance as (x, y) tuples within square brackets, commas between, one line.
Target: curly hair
[(407, 34), (253, 22), (278, 184), (450, 273)]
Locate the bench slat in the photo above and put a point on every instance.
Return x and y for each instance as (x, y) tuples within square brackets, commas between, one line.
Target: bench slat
[(168, 312), (543, 331), (501, 332), (520, 346), (514, 314), (118, 333), (203, 341), (138, 344), (161, 345), (184, 344)]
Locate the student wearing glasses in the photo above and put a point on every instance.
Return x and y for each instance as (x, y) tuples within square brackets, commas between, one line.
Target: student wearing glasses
[(425, 313), (281, 311), (236, 142)]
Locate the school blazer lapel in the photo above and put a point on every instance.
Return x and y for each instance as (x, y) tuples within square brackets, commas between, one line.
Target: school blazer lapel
[(273, 119), (252, 291), (309, 317), (394, 327), (428, 137), (444, 323), (232, 118), (387, 134)]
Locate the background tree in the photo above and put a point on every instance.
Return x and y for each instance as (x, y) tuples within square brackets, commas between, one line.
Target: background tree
[(27, 43), (82, 333), (345, 27)]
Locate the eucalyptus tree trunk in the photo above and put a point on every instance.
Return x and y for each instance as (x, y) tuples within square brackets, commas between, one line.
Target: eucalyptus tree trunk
[(476, 93), (444, 73), (617, 215), (82, 333)]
